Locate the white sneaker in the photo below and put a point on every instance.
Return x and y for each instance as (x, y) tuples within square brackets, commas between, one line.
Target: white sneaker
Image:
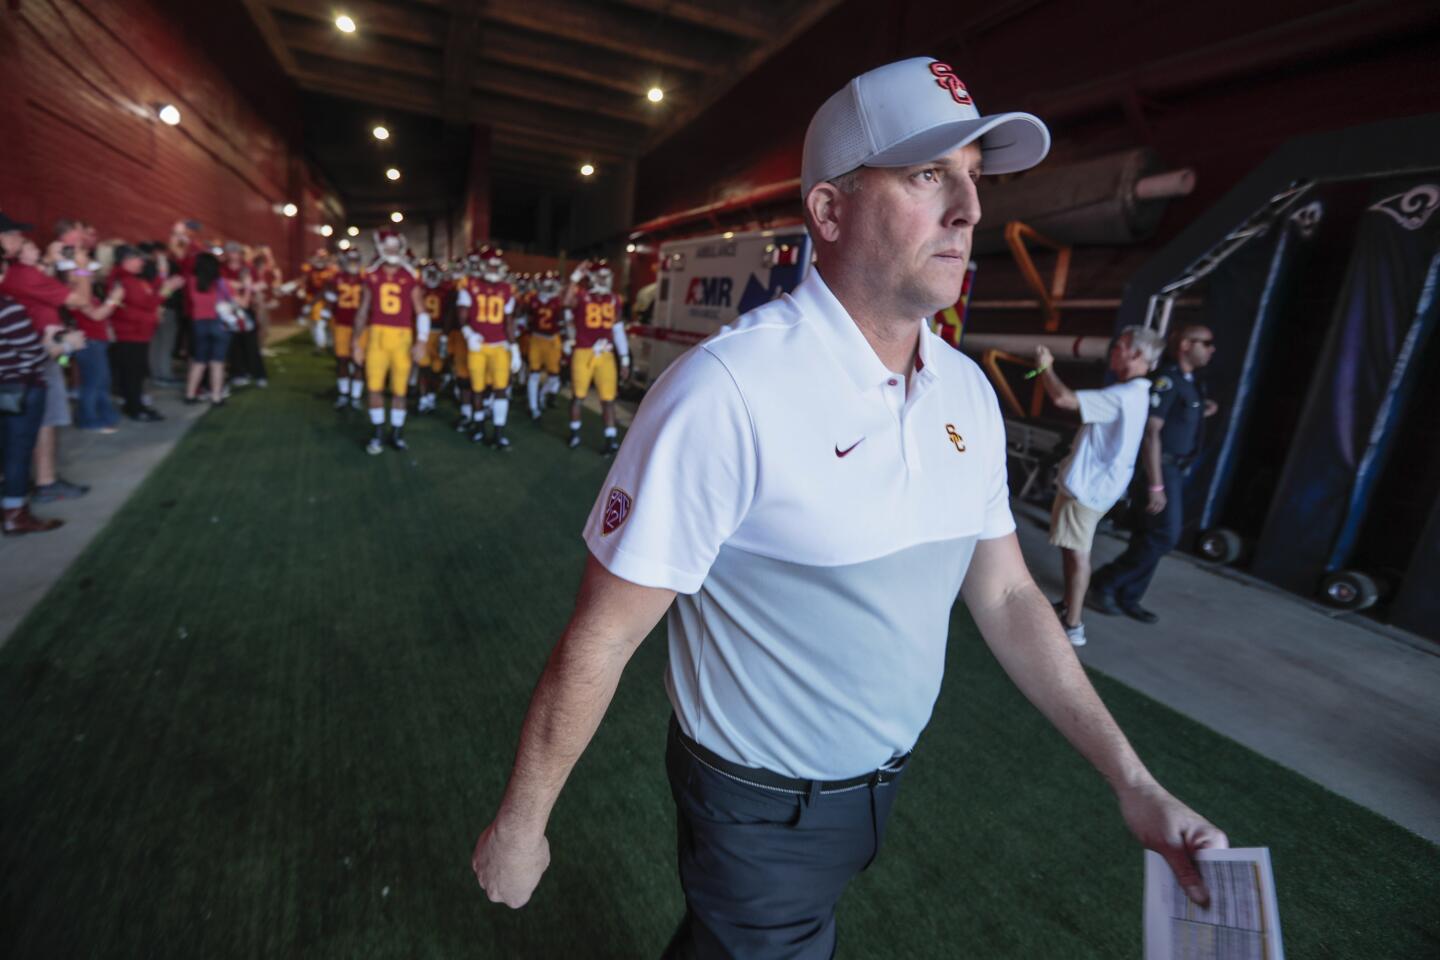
[(1075, 633)]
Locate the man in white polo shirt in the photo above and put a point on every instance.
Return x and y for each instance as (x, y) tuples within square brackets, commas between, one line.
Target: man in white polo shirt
[(1097, 472), (805, 493)]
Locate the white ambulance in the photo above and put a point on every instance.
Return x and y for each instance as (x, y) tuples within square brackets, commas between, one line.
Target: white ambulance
[(706, 282)]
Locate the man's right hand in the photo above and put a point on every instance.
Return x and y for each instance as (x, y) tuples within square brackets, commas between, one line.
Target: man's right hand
[(509, 868), (1157, 502)]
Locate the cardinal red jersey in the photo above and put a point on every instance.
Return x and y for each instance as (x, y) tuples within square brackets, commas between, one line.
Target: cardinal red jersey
[(486, 314), (391, 303), (546, 316), (316, 279), (595, 316), (434, 301), (348, 287)]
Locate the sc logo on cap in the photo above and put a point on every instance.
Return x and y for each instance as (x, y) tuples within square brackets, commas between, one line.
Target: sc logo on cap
[(945, 79)]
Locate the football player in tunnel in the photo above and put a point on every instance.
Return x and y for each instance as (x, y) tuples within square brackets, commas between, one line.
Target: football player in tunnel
[(315, 276), (487, 303), (432, 295), (546, 309), (598, 334), (393, 321), (470, 268), (343, 299)]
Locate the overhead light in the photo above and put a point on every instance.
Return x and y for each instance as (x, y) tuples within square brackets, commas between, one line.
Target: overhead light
[(587, 169), (326, 230), (728, 235), (396, 217), (381, 133), (343, 244), (353, 231), (655, 95), (392, 174), (169, 114), (344, 24), (629, 248), (289, 209)]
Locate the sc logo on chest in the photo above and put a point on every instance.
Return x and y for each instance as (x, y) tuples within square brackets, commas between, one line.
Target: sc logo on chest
[(955, 438)]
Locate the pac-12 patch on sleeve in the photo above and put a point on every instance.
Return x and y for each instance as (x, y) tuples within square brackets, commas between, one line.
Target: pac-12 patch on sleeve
[(617, 511)]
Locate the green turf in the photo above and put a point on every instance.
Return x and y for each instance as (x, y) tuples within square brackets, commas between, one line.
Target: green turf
[(270, 708)]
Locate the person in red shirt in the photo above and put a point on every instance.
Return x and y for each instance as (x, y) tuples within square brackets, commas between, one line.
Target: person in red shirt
[(246, 363), (207, 296), (133, 324), (42, 296), (93, 409), (392, 304)]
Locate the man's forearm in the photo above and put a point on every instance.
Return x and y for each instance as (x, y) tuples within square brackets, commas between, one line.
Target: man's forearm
[(1061, 395), (568, 704), (1025, 637)]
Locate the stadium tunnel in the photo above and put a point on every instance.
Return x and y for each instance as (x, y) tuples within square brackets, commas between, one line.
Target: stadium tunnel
[(1268, 171)]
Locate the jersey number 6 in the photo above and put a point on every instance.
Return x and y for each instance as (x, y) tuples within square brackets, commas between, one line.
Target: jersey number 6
[(390, 299)]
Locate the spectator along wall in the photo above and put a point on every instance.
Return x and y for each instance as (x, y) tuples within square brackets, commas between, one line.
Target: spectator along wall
[(82, 80)]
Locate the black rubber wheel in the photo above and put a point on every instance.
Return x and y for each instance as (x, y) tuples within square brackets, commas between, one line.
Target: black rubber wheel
[(1349, 590), (1219, 545)]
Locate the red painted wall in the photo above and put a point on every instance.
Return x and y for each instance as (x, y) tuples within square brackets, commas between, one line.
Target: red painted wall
[(77, 120)]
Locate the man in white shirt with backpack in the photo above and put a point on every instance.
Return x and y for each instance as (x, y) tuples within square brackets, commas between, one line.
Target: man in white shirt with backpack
[(1097, 472)]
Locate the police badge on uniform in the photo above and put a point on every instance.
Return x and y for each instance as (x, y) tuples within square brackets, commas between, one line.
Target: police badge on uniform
[(617, 511)]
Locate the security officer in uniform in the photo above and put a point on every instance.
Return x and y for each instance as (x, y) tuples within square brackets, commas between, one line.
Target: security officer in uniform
[(1174, 437)]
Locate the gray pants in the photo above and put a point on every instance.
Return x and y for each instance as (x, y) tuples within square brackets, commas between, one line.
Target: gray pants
[(162, 346)]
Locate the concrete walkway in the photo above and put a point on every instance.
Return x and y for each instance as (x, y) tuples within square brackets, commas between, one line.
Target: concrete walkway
[(1348, 703), (112, 465)]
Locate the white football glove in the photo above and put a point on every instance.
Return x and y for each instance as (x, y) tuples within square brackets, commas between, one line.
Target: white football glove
[(514, 358)]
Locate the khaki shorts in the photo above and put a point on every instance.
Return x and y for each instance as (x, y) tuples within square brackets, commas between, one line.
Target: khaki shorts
[(1072, 524)]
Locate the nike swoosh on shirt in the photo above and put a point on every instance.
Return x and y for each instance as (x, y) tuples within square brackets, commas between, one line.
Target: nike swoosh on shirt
[(841, 453)]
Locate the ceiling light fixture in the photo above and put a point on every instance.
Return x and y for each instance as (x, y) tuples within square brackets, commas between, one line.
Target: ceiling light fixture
[(344, 24), (380, 133), (289, 209), (629, 248), (392, 174), (587, 169), (169, 114), (396, 217), (353, 231), (327, 230), (343, 244), (655, 95)]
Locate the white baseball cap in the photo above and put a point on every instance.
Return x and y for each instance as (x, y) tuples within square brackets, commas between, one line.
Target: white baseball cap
[(909, 112)]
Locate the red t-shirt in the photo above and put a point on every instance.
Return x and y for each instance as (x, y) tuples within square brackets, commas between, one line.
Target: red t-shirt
[(486, 313), (200, 304), (135, 320), (39, 293), (348, 287), (546, 316), (391, 304), (595, 316), (93, 329)]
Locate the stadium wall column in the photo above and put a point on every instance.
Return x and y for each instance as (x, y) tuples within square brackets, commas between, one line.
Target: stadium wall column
[(84, 79), (475, 218)]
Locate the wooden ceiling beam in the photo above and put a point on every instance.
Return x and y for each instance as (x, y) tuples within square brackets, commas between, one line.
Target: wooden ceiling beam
[(373, 53), (587, 65), (270, 30), (539, 88), (736, 22), (372, 18), (461, 61), (553, 142), (595, 26), (580, 130), (805, 16)]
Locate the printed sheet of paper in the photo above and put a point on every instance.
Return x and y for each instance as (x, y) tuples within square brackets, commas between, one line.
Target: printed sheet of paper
[(1241, 923)]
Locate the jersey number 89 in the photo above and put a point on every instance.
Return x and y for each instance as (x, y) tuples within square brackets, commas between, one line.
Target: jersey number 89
[(599, 315)]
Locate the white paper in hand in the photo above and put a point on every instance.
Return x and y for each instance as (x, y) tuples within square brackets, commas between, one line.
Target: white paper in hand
[(1241, 923)]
